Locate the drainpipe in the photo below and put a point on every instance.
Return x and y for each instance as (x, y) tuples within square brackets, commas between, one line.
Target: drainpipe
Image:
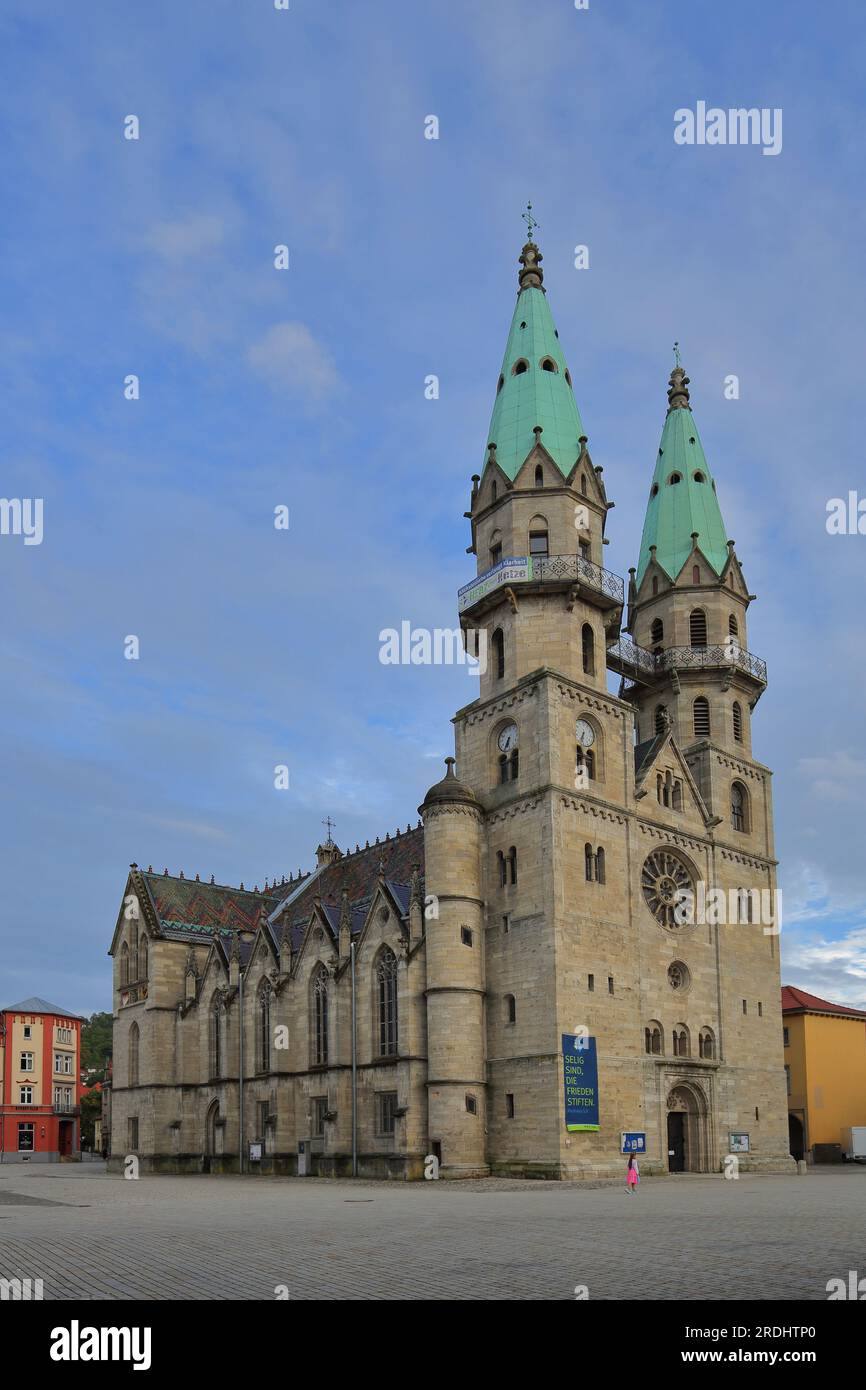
[(241, 1070), (354, 1071)]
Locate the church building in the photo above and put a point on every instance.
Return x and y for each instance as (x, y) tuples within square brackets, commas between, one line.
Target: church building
[(574, 954)]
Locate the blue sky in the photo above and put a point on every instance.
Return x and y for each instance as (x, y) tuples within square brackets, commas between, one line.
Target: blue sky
[(306, 388)]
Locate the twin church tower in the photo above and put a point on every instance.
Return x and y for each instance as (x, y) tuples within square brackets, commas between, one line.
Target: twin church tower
[(512, 986)]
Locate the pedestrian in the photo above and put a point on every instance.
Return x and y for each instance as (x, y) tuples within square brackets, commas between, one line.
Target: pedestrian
[(632, 1176)]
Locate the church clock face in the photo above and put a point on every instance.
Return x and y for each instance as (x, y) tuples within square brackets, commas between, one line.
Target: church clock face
[(663, 878), (507, 738), (585, 733)]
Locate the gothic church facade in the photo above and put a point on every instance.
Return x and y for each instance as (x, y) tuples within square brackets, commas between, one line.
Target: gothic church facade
[(412, 998)]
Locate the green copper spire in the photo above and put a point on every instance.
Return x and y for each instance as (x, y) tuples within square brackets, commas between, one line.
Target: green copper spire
[(683, 495), (534, 385)]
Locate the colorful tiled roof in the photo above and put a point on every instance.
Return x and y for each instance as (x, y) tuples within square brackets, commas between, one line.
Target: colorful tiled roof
[(799, 1001)]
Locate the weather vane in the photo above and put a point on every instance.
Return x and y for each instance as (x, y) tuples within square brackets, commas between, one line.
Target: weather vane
[(330, 825), (677, 354), (530, 221)]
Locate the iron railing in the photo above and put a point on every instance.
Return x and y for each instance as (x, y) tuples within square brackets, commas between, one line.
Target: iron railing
[(627, 656), (558, 567)]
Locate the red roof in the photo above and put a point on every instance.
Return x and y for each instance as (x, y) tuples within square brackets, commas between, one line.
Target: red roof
[(798, 1001)]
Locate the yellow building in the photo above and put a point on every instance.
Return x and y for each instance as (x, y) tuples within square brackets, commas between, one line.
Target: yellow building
[(825, 1064)]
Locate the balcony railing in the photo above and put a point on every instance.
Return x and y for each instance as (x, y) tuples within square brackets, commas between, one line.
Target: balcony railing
[(629, 659), (63, 1109), (542, 569)]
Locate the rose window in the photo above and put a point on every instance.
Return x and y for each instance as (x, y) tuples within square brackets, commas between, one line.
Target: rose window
[(663, 879)]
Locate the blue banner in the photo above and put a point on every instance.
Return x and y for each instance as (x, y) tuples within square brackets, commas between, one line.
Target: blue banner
[(580, 1068), (633, 1143)]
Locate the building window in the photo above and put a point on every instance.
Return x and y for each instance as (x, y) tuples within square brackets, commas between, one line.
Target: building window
[(512, 863), (264, 1116), (739, 807), (548, 365), (264, 1030), (760, 1009), (124, 965), (584, 550), (657, 631), (701, 717), (132, 1073), (320, 1017), (587, 862), (520, 367), (26, 1131), (786, 1040), (698, 627), (26, 1062), (653, 1039), (25, 1095), (539, 475), (320, 1110), (590, 983), (732, 626), (707, 1044), (593, 864), (538, 543), (674, 479), (493, 490), (587, 642), (496, 547), (28, 1032), (661, 718), (506, 924), (584, 762), (738, 721), (509, 1106), (583, 491), (64, 1035), (655, 582), (745, 1006), (503, 868), (142, 958), (216, 1039), (681, 1044), (63, 1063), (610, 984), (471, 1104), (499, 653), (696, 574), (599, 865), (386, 1002), (132, 1132), (510, 1009), (466, 936), (788, 1079), (386, 1104)]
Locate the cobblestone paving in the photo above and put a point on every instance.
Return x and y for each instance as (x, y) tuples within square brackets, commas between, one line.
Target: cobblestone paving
[(685, 1238)]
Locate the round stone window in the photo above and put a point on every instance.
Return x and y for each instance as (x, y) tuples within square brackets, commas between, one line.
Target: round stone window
[(663, 878), (678, 976)]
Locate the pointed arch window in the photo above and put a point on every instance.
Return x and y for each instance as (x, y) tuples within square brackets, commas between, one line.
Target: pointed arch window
[(510, 1009), (124, 965), (739, 807), (587, 643), (733, 628), (498, 641), (539, 475), (657, 631), (738, 721), (681, 1043), (661, 718), (493, 490), (587, 862), (698, 627), (264, 1027), (599, 866), (133, 952), (319, 1017), (583, 491), (512, 864), (495, 548), (548, 365), (701, 717), (133, 1056), (654, 1039), (675, 478), (216, 1037), (386, 1002), (520, 367), (655, 585), (696, 574), (142, 957)]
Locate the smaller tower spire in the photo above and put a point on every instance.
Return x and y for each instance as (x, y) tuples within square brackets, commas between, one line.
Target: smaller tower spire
[(678, 386)]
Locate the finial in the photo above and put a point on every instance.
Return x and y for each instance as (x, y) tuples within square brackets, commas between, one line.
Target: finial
[(449, 763), (329, 824), (531, 276), (678, 386), (530, 221)]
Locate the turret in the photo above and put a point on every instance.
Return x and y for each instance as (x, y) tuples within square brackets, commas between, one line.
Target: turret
[(456, 1087)]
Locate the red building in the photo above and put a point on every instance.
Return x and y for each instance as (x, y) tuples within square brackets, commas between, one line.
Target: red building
[(40, 1066)]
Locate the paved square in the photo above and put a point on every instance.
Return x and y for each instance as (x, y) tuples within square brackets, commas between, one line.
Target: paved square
[(90, 1235)]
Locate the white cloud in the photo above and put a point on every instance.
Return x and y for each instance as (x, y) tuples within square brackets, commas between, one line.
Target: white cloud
[(289, 359)]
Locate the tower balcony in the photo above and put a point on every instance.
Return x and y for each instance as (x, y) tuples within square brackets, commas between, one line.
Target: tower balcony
[(539, 573), (641, 667)]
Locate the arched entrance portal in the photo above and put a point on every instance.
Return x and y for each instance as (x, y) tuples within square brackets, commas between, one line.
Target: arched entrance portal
[(796, 1137), (687, 1130)]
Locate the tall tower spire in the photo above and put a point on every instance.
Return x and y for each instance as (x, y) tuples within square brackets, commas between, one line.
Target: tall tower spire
[(683, 512), (534, 398)]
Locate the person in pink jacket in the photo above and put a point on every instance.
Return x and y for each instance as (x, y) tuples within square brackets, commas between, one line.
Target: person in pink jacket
[(632, 1175)]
